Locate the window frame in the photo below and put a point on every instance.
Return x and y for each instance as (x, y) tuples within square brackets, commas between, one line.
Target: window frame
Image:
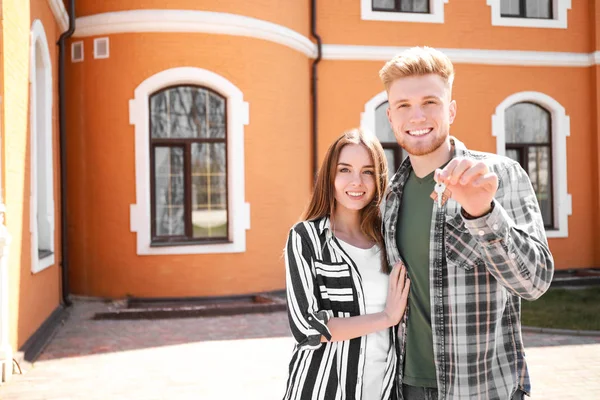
[(559, 10), (41, 138), (237, 116), (559, 131), (367, 123), (523, 11), (523, 148), (186, 144), (397, 8), (435, 14)]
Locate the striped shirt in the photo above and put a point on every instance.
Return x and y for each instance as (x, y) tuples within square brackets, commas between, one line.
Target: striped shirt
[(322, 282), (479, 270)]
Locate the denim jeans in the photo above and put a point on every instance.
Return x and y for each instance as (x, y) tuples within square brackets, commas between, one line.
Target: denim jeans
[(423, 393)]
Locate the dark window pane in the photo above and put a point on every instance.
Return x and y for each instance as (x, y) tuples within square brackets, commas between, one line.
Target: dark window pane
[(419, 6), (540, 175), (169, 191), (510, 7), (384, 4), (391, 161), (527, 123), (383, 130), (513, 154), (209, 190), (538, 8), (187, 112)]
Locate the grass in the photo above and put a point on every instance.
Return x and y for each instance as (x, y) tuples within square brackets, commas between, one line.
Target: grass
[(564, 309)]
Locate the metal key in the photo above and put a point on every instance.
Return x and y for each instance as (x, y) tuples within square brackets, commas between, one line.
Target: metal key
[(440, 188)]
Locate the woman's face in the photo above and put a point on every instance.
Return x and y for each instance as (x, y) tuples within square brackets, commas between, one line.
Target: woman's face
[(354, 178)]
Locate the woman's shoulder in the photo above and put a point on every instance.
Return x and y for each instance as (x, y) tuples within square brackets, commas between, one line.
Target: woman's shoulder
[(310, 227)]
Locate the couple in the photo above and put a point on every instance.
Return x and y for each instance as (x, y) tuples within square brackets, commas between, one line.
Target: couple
[(393, 294)]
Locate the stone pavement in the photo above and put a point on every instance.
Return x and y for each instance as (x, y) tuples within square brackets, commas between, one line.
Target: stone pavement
[(237, 357)]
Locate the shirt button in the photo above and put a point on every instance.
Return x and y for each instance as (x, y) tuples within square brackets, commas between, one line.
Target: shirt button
[(310, 318), (481, 233), (495, 227), (513, 255)]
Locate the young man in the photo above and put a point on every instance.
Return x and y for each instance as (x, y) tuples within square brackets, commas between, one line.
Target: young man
[(471, 255)]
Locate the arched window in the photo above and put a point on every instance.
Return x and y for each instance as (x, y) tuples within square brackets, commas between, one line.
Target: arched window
[(532, 128), (42, 167), (529, 141), (374, 119), (188, 162)]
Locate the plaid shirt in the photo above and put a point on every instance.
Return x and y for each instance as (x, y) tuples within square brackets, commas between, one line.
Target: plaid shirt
[(478, 272)]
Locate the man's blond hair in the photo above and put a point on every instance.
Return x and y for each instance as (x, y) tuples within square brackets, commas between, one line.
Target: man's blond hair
[(417, 61)]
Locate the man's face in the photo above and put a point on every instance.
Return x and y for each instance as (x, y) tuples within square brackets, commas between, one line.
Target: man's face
[(420, 113)]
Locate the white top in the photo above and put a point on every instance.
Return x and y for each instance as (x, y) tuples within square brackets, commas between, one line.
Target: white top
[(375, 286)]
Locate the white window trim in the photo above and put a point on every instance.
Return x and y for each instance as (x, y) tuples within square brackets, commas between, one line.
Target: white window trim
[(367, 117), (561, 128), (559, 13), (97, 42), (436, 14), (237, 118), (38, 37)]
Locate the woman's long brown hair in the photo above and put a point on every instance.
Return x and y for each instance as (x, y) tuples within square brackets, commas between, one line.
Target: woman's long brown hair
[(322, 201)]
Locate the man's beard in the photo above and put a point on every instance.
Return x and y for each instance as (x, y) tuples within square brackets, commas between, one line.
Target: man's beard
[(421, 149)]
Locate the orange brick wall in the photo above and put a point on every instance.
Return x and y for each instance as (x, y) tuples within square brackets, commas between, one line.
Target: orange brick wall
[(293, 14), (101, 164), (32, 297), (467, 24)]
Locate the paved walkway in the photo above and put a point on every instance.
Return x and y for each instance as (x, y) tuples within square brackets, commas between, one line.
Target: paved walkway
[(241, 357)]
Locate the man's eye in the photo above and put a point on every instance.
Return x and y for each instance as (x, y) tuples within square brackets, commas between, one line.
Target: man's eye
[(403, 106)]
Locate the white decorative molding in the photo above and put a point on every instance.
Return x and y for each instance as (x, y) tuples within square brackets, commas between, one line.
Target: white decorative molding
[(60, 14), (237, 25), (367, 117), (41, 144), (559, 20), (436, 14), (561, 128), (237, 117), (468, 56), (192, 21)]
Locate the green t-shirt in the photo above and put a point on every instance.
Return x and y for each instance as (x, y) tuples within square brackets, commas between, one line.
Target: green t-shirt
[(413, 231)]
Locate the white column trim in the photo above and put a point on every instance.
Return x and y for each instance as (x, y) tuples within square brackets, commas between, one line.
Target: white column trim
[(38, 38), (559, 10), (237, 118), (6, 352), (60, 14), (436, 14), (192, 21), (561, 129)]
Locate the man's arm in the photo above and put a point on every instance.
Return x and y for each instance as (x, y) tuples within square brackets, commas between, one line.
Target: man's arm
[(512, 237)]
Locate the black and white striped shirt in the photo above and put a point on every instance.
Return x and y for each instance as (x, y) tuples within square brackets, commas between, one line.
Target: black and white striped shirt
[(322, 282)]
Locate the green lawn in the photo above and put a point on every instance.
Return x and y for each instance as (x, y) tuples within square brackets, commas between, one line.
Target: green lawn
[(564, 309)]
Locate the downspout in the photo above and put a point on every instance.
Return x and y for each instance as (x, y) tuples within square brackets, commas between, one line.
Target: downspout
[(62, 115), (313, 31)]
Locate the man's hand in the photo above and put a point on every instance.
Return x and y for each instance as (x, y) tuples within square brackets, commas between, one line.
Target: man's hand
[(472, 184)]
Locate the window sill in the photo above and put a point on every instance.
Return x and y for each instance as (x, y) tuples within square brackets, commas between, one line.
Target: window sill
[(179, 243), (42, 263)]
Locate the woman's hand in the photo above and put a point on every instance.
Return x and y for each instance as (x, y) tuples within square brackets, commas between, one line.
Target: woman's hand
[(397, 297)]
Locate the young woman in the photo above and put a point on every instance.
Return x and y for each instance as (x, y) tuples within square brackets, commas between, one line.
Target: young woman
[(342, 303)]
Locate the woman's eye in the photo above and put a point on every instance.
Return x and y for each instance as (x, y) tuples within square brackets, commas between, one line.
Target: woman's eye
[(369, 172), (344, 169)]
